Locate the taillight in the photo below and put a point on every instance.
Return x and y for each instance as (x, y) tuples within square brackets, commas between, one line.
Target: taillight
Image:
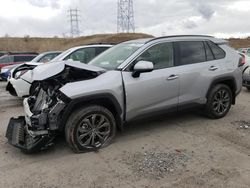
[(242, 61)]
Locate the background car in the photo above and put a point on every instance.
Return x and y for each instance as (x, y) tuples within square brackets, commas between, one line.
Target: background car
[(20, 82), (5, 72), (246, 60), (244, 50), (12, 59), (2, 53), (41, 58), (246, 78)]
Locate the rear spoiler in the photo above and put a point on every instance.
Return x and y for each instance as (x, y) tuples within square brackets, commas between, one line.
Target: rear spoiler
[(219, 41)]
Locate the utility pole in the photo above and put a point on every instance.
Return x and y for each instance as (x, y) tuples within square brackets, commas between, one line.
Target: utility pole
[(74, 22), (125, 16)]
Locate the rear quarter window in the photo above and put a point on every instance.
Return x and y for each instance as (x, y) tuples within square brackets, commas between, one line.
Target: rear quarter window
[(217, 51)]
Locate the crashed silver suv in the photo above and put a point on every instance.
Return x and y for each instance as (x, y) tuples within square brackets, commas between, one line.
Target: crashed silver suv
[(132, 80)]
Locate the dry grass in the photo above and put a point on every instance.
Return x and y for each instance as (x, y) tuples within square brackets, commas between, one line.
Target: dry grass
[(240, 43), (48, 44)]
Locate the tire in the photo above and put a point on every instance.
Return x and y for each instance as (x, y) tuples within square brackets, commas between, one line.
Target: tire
[(219, 101), (248, 88), (80, 138)]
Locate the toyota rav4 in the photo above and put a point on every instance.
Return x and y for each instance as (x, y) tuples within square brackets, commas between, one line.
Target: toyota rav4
[(132, 80)]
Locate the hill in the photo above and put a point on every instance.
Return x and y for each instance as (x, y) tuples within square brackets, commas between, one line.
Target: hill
[(48, 44)]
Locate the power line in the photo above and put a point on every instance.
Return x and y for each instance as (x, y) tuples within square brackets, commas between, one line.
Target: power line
[(125, 16), (74, 22)]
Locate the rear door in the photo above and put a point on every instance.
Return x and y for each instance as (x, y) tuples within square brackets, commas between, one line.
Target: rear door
[(197, 66), (155, 91)]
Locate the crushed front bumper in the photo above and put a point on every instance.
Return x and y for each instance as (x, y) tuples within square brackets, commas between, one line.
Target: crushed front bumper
[(19, 136), (35, 131)]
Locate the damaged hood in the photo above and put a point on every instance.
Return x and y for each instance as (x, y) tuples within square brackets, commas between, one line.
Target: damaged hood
[(48, 70)]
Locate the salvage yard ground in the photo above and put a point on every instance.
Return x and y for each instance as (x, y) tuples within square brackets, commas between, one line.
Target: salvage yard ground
[(182, 150)]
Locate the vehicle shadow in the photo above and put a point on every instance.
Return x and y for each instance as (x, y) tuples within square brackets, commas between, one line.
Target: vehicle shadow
[(158, 123)]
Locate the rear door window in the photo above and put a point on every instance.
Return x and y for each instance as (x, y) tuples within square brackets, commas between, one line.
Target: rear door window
[(191, 52), (217, 51)]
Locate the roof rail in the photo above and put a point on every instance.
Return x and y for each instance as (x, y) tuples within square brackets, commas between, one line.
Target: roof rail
[(174, 36), (100, 43), (17, 53)]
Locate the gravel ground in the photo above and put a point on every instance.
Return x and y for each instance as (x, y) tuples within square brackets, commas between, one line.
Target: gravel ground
[(181, 150)]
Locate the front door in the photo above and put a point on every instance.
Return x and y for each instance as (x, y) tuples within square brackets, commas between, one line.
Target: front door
[(154, 91)]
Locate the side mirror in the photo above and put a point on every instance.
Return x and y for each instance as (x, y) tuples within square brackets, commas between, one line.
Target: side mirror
[(141, 67)]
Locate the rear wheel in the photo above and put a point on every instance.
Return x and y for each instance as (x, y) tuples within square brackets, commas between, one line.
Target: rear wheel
[(219, 101), (248, 88), (90, 128)]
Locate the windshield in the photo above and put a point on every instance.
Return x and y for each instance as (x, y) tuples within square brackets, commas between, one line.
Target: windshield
[(62, 55), (37, 58), (113, 57)]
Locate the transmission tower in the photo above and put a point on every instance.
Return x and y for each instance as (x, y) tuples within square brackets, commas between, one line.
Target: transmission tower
[(125, 17), (74, 22)]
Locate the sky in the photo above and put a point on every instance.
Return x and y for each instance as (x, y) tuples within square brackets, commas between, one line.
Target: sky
[(49, 18)]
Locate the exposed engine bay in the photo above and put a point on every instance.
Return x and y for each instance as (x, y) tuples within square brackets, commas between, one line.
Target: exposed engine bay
[(43, 110)]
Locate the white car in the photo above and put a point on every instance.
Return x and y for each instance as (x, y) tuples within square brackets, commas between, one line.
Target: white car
[(20, 82)]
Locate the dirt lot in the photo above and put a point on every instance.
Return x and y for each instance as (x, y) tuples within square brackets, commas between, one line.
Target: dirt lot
[(184, 150)]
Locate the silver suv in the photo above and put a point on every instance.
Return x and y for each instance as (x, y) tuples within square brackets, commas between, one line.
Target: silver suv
[(132, 80)]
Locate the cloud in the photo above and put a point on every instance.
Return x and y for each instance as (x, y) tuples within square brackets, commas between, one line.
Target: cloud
[(49, 17), (55, 4), (190, 24), (204, 9)]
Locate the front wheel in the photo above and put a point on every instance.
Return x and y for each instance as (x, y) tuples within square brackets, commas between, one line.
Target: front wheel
[(90, 128), (219, 101)]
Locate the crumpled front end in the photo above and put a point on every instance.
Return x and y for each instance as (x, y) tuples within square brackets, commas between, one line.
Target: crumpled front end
[(41, 123)]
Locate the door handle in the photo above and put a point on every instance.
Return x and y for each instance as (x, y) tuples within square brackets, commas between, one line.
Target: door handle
[(213, 68), (173, 77)]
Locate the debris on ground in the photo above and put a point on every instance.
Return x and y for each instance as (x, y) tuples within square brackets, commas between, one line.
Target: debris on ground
[(242, 124), (157, 165)]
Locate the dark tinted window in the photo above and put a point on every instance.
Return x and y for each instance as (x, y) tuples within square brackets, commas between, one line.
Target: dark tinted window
[(23, 58), (191, 52), (84, 55), (161, 55), (100, 50), (209, 53), (217, 51)]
